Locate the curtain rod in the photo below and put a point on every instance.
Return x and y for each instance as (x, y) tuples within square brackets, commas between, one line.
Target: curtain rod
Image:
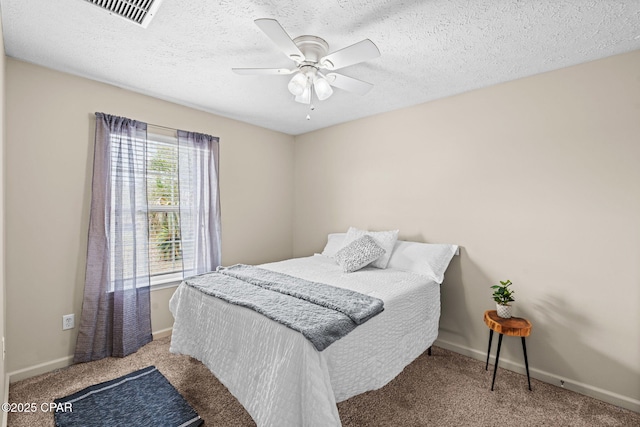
[(176, 130), (159, 126), (140, 121), (162, 127)]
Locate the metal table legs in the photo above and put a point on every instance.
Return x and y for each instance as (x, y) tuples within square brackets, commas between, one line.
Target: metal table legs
[(526, 362), (486, 367), (495, 368)]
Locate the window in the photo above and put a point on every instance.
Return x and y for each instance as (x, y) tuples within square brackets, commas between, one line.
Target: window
[(155, 218), (157, 168), (163, 198)]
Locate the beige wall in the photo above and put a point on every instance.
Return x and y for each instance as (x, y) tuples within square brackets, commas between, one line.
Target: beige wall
[(49, 154), (3, 397), (538, 180)]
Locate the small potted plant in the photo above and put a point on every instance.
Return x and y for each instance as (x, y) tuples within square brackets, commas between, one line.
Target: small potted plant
[(502, 295)]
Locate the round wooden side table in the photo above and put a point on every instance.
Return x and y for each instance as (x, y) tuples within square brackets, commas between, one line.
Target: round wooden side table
[(515, 327)]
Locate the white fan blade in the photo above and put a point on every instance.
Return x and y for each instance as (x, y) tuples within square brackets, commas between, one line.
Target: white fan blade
[(359, 52), (263, 71), (349, 83), (275, 32)]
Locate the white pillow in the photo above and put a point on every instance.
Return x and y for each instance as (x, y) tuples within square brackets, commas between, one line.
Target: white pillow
[(334, 243), (358, 253), (425, 259), (385, 239)]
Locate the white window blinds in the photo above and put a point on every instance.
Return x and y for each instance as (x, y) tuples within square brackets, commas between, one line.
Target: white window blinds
[(156, 173), (163, 196)]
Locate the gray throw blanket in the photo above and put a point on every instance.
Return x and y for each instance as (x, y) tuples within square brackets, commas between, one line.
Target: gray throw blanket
[(320, 312)]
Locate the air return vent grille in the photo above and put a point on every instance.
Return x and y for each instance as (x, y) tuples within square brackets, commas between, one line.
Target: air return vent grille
[(137, 11)]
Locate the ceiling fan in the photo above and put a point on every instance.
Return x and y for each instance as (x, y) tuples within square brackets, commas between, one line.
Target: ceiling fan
[(311, 56)]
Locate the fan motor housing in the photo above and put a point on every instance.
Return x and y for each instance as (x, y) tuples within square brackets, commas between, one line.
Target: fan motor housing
[(313, 48)]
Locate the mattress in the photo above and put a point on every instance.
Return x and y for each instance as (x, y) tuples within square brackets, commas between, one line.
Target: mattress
[(276, 374)]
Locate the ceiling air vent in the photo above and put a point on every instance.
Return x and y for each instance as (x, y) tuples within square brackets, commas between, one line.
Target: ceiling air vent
[(137, 11)]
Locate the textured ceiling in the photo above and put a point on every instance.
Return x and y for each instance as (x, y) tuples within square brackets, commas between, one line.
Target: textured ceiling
[(430, 49)]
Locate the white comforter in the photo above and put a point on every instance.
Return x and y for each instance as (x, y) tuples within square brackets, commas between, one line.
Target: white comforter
[(277, 375)]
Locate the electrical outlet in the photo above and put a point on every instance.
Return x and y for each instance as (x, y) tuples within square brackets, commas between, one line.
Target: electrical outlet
[(68, 321)]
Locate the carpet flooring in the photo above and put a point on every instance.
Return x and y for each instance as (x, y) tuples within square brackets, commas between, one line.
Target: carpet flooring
[(445, 389)]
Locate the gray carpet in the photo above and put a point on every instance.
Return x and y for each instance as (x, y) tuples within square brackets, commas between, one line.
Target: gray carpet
[(445, 389)]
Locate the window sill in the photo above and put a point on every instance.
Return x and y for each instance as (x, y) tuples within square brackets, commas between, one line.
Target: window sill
[(165, 281)]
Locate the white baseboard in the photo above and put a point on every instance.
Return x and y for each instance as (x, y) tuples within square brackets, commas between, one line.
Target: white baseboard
[(162, 333), (569, 384), (6, 397), (42, 368), (63, 362)]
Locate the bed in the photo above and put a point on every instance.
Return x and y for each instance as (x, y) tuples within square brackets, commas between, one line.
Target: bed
[(277, 374)]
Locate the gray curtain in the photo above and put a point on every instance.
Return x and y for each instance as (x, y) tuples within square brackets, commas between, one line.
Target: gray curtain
[(199, 202), (116, 319)]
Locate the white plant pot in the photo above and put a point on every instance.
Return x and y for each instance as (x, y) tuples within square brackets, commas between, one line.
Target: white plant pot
[(504, 311)]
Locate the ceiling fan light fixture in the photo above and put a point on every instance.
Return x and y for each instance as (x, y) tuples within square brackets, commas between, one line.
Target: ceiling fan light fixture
[(305, 97), (298, 84), (322, 88), (311, 55)]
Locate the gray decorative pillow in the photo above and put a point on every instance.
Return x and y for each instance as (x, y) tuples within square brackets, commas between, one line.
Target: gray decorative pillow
[(385, 239), (358, 253)]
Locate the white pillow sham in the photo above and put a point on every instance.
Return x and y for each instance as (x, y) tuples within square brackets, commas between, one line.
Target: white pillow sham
[(426, 259), (334, 243), (385, 239)]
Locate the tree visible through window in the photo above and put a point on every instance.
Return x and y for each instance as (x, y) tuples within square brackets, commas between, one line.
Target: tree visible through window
[(163, 195)]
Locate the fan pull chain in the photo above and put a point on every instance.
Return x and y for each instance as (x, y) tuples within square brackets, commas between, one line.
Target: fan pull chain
[(311, 106)]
